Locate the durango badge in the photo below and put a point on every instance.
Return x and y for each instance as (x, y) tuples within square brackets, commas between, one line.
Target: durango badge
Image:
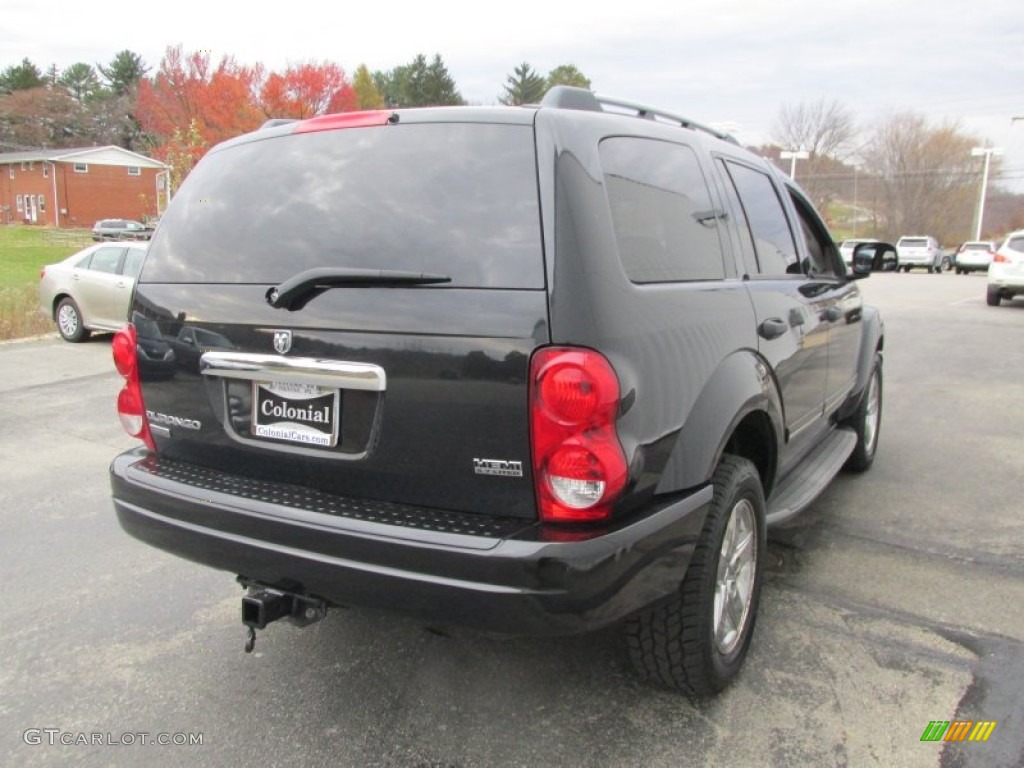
[(282, 341)]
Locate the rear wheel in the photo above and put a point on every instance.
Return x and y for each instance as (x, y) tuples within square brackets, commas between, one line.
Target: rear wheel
[(992, 297), (69, 321), (696, 640), (866, 421)]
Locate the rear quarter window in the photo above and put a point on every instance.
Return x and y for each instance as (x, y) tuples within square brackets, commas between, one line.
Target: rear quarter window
[(666, 226)]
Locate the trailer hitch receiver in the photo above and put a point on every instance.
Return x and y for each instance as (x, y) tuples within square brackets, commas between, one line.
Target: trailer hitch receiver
[(261, 605)]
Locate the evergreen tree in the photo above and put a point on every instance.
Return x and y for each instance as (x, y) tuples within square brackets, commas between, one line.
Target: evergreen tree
[(524, 86), (439, 87), (567, 74), (124, 72), (21, 77), (81, 82), (418, 84)]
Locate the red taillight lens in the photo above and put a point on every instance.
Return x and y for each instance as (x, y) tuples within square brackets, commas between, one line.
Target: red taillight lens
[(130, 406), (42, 273), (578, 464), (1000, 259)]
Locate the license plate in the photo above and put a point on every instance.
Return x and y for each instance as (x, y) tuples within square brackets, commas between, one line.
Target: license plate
[(296, 413)]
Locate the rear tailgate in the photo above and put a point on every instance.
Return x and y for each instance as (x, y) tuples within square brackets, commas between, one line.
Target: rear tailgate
[(414, 394)]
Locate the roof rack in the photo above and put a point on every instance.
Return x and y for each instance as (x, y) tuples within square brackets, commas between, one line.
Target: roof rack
[(569, 97)]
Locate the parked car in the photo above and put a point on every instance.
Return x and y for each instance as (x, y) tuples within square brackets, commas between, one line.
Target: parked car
[(120, 229), (1006, 273), (921, 251), (974, 256), (91, 290), (846, 248), (511, 378)]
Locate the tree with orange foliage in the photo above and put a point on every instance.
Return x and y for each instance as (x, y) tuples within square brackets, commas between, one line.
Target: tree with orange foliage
[(189, 90), (306, 90)]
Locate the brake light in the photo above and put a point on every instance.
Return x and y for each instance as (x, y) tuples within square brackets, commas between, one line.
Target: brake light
[(1000, 258), (42, 273), (130, 407), (344, 120), (579, 467)]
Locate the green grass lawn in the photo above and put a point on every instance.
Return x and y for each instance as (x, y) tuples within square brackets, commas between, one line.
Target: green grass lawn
[(23, 250)]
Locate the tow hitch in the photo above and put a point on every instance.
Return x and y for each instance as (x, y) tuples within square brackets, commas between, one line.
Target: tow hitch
[(262, 605)]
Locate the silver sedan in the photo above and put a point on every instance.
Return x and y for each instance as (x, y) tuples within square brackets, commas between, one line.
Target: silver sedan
[(91, 290)]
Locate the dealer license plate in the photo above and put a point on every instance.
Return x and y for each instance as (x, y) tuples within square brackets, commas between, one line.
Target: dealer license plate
[(296, 413)]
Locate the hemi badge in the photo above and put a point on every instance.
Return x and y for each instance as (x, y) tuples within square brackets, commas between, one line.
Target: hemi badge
[(498, 467)]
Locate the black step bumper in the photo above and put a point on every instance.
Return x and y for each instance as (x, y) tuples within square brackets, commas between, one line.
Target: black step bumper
[(498, 574)]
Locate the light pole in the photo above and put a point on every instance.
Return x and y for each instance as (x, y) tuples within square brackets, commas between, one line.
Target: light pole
[(987, 153), (793, 155)]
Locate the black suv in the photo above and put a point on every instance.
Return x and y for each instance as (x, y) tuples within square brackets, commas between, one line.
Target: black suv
[(534, 370)]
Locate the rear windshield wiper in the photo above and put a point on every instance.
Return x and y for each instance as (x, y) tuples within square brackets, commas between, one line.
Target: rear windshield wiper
[(295, 292)]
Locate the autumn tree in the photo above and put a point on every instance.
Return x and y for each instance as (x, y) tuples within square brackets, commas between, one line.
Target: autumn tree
[(367, 94), (825, 129), (306, 90), (523, 86), (925, 176), (21, 77), (220, 99), (182, 151), (567, 74)]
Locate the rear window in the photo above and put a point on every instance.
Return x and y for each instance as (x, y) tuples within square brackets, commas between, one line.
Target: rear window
[(977, 246), (1016, 243), (913, 242), (454, 199)]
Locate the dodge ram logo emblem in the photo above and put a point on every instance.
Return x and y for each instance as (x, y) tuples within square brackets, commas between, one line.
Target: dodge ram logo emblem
[(282, 341)]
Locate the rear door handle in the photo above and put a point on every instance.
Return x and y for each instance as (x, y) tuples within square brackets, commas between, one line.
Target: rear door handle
[(772, 328)]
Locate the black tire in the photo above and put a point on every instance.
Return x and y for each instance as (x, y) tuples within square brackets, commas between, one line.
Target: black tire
[(69, 321), (992, 296), (675, 642), (867, 421), (946, 264)]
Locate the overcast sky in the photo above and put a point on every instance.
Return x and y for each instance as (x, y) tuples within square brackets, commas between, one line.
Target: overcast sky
[(728, 61)]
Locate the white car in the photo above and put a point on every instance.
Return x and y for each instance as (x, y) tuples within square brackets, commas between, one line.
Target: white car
[(91, 290), (846, 248), (919, 251), (1006, 272), (974, 256)]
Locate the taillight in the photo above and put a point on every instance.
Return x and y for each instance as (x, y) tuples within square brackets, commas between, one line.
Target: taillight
[(1000, 258), (130, 407), (42, 273), (579, 467)]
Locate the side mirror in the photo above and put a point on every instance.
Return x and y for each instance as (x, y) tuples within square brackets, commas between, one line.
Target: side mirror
[(874, 257)]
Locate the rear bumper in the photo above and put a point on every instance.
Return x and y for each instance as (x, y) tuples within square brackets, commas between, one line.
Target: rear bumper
[(497, 574)]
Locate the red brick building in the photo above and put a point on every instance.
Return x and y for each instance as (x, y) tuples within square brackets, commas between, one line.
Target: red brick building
[(77, 187)]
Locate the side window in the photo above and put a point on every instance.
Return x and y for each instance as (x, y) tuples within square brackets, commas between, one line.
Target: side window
[(133, 262), (106, 260), (766, 218), (820, 247), (666, 225)]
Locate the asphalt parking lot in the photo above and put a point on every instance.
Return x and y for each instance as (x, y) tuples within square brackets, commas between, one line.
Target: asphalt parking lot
[(896, 601)]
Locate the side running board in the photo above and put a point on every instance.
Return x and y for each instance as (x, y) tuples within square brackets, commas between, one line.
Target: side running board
[(807, 481)]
